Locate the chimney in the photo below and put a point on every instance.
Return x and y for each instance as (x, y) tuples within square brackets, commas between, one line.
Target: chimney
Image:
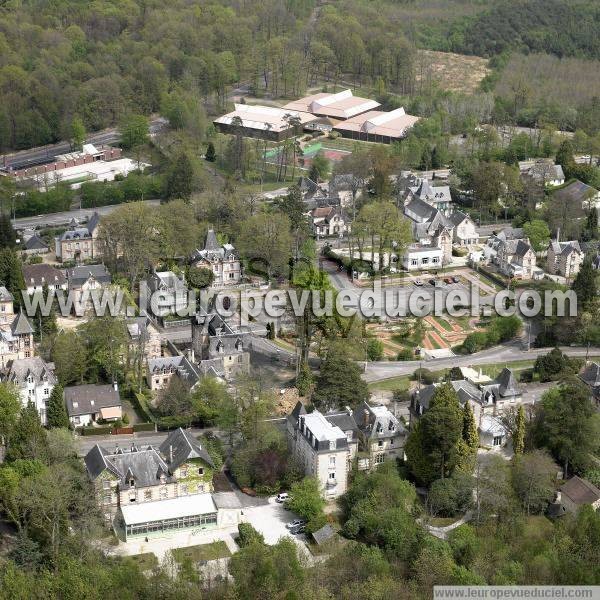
[(365, 417), (115, 386), (558, 498), (170, 453), (348, 410), (558, 235)]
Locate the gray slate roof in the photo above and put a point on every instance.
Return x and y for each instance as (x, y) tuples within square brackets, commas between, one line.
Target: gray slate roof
[(213, 251), (377, 422), (43, 274), (77, 276), (591, 374), (102, 396), (180, 364), (21, 325), (146, 465), (5, 295), (35, 242), (324, 534), (181, 446), (20, 369)]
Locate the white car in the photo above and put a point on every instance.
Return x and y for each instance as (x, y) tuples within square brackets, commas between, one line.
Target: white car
[(296, 523), (283, 497)]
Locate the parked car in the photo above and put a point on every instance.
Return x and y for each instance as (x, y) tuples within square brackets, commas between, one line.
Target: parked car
[(432, 281), (418, 282), (295, 523), (282, 497), (456, 279), (298, 529), (448, 280)]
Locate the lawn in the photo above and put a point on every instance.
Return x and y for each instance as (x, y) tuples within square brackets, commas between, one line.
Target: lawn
[(391, 384), (202, 552), (443, 323), (146, 561)]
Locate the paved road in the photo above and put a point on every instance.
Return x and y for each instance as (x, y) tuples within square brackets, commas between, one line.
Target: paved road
[(43, 154), (377, 371), (63, 218)]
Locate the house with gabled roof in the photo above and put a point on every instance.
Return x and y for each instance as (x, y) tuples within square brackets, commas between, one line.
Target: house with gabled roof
[(564, 258), (169, 293), (92, 402), (16, 332), (488, 400), (577, 492), (465, 231), (34, 245), (218, 346), (162, 369), (222, 259), (516, 258), (86, 279), (42, 275), (149, 490), (542, 170), (78, 243), (382, 436), (439, 196), (35, 380), (329, 221), (578, 196)]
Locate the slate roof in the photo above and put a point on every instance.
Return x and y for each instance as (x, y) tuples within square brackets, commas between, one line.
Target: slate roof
[(511, 233), (591, 374), (180, 364), (181, 446), (77, 276), (565, 248), (580, 491), (576, 191), (146, 465), (21, 325), (343, 182), (102, 396), (5, 295), (35, 242), (20, 369), (166, 280), (457, 217), (137, 326), (377, 422), (43, 274), (515, 247), (324, 534), (213, 251), (344, 421)]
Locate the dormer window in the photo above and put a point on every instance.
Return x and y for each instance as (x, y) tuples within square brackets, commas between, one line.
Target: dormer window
[(163, 479), (131, 483), (200, 470)]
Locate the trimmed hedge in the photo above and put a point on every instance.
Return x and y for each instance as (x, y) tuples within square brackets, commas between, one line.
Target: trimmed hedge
[(106, 430), (144, 427)]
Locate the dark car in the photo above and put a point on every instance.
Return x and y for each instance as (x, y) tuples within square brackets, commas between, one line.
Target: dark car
[(448, 280), (432, 281), (456, 279), (298, 529)]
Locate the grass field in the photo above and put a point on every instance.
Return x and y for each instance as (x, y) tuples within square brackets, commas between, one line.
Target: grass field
[(452, 72), (202, 552)]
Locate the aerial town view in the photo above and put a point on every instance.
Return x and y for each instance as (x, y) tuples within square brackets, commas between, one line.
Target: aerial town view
[(299, 299)]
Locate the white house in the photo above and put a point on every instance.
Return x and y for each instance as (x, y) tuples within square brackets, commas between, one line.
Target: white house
[(43, 275), (35, 381), (322, 449), (328, 221), (87, 404), (421, 258), (465, 231)]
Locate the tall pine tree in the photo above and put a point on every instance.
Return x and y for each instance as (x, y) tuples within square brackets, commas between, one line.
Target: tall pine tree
[(8, 237), (29, 440), (586, 284), (57, 412)]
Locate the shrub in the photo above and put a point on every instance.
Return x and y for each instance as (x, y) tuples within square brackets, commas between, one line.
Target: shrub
[(405, 354), (425, 375), (248, 535)]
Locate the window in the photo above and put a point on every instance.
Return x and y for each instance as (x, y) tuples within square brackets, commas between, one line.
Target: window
[(414, 262), (131, 483), (380, 443), (183, 490), (106, 485), (184, 472), (349, 435), (147, 494), (424, 260), (331, 475), (435, 259), (27, 354), (163, 493), (332, 445), (498, 440), (46, 391), (379, 458), (200, 488), (201, 471), (332, 461)]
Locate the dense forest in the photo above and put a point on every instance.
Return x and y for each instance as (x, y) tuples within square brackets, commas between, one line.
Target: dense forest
[(69, 62)]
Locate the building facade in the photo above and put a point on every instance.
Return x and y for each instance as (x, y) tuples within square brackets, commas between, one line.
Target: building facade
[(222, 260)]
